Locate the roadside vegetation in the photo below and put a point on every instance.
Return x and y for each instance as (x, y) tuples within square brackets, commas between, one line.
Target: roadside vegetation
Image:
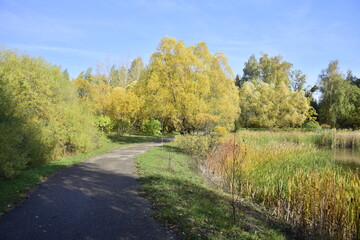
[(46, 117), (289, 174), (186, 202)]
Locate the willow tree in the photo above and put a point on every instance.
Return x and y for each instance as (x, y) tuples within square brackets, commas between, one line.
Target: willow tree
[(272, 70), (266, 97), (184, 86)]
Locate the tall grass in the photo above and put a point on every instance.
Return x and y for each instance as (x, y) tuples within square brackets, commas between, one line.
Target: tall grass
[(286, 172), (333, 138), (339, 139)]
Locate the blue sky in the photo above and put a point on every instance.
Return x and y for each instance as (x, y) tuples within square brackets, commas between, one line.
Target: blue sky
[(77, 34)]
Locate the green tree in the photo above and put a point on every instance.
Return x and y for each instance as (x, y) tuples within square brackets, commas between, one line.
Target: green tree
[(336, 99), (135, 70), (297, 80), (239, 81), (66, 75), (266, 98), (352, 79), (272, 70), (114, 76), (251, 70), (123, 77)]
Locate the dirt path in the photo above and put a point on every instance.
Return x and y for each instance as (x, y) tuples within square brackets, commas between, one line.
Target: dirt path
[(96, 199)]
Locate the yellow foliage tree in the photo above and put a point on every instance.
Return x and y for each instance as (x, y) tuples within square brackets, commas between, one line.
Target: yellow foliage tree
[(267, 105), (182, 82), (121, 104), (40, 118)]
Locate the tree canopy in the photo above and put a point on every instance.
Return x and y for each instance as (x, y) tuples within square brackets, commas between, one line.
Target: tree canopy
[(44, 115), (340, 99), (270, 94), (183, 86), (40, 118)]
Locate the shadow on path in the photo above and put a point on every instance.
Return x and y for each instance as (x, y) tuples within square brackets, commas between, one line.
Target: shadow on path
[(97, 199)]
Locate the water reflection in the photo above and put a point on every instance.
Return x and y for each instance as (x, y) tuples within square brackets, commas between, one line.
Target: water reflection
[(349, 157)]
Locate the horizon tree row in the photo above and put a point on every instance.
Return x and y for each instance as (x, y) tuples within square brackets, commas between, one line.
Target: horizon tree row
[(179, 88), (44, 115)]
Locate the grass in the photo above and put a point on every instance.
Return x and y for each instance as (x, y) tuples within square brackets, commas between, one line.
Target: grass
[(184, 201), (340, 139), (297, 181), (15, 189)]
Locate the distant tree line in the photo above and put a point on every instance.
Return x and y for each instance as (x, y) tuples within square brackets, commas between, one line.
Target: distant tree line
[(186, 89), (44, 115), (272, 94)]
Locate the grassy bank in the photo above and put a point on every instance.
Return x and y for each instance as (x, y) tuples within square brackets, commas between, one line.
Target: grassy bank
[(184, 201), (15, 189)]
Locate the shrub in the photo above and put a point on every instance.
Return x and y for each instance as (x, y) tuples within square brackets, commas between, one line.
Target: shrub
[(220, 131), (103, 123), (122, 126), (15, 148), (194, 145), (311, 125), (40, 117), (151, 127)]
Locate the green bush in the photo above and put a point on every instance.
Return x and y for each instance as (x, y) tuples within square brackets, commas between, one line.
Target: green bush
[(15, 148), (151, 127), (121, 126), (311, 125), (103, 123)]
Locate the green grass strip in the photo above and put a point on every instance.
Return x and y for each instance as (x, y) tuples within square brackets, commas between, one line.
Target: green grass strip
[(184, 201)]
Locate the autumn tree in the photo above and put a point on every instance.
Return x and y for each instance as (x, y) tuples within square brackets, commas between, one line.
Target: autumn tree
[(122, 107), (272, 70), (183, 85), (40, 118), (119, 105), (84, 88), (266, 97)]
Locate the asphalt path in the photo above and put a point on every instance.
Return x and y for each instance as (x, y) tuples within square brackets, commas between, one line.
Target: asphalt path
[(96, 199)]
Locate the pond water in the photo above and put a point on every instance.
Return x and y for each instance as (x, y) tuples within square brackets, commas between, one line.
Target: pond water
[(349, 157)]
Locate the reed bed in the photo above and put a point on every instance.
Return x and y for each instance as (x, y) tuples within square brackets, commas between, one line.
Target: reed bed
[(339, 139), (295, 180)]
